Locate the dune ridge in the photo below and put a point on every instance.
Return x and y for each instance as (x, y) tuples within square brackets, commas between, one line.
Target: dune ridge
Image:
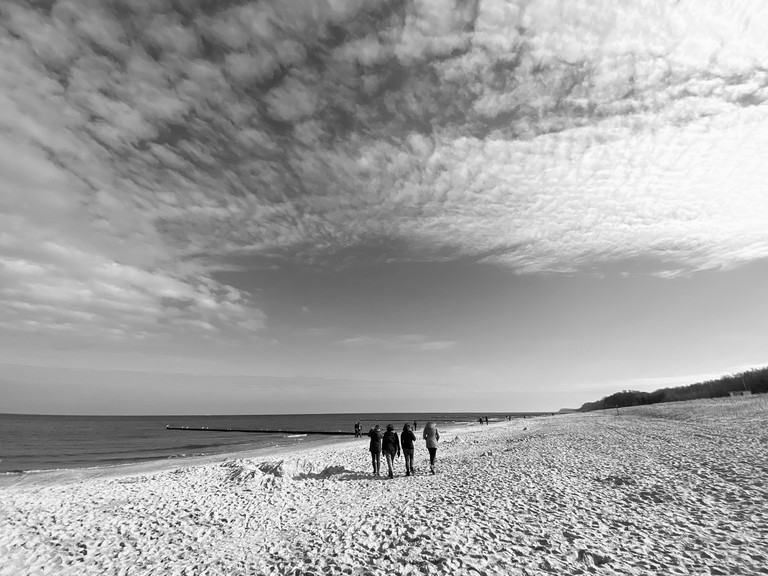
[(661, 489)]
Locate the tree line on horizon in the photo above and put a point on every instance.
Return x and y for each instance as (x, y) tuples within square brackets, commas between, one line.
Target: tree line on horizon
[(753, 381)]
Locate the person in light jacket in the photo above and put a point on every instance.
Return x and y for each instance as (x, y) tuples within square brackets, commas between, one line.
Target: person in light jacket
[(375, 448), (407, 438), (431, 435), (390, 445)]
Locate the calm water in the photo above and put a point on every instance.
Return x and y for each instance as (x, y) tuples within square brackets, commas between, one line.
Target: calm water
[(36, 442)]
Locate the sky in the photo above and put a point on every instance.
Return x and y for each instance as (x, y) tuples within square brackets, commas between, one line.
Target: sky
[(236, 207)]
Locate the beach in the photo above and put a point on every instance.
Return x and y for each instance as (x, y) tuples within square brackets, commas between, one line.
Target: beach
[(677, 488)]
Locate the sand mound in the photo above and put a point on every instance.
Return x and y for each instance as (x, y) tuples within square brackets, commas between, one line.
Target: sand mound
[(273, 473)]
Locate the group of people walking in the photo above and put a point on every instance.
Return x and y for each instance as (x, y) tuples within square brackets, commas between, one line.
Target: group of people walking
[(392, 446)]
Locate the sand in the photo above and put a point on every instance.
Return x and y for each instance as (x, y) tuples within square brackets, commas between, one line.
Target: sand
[(667, 489)]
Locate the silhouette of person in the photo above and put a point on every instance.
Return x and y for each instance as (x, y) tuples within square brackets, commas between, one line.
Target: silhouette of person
[(375, 448), (407, 438), (390, 445), (431, 435)]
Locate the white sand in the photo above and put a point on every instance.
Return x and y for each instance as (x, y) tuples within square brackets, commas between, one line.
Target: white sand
[(668, 489)]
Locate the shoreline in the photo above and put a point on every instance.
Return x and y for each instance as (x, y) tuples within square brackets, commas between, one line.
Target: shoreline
[(69, 475), (125, 444), (47, 477), (662, 489)]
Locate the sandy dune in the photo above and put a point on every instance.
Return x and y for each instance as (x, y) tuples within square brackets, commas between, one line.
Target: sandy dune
[(667, 489)]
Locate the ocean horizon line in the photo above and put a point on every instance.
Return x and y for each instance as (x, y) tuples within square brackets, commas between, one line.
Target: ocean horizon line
[(247, 414)]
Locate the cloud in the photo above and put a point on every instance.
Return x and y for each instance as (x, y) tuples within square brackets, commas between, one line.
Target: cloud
[(547, 136), (78, 253), (89, 295), (418, 342)]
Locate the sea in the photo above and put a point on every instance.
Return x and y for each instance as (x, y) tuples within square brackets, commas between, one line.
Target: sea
[(30, 443)]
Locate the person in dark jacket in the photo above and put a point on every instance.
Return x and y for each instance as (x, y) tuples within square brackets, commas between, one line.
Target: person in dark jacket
[(390, 445), (407, 438), (375, 448)]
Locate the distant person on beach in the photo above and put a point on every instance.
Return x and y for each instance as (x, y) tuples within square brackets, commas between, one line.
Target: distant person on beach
[(375, 448), (486, 420), (390, 445), (358, 430), (431, 435), (407, 438), (414, 425), (480, 420)]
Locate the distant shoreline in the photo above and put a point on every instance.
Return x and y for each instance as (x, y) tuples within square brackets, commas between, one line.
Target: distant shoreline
[(65, 476), (667, 488), (68, 475), (35, 443)]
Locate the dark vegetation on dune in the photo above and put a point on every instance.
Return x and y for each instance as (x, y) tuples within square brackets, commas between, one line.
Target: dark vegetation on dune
[(753, 381)]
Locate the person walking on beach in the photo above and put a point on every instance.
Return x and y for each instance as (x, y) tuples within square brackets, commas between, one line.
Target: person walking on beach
[(431, 435), (390, 445), (375, 448), (407, 438), (358, 430)]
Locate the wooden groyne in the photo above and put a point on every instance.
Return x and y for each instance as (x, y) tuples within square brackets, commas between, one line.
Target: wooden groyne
[(261, 431)]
